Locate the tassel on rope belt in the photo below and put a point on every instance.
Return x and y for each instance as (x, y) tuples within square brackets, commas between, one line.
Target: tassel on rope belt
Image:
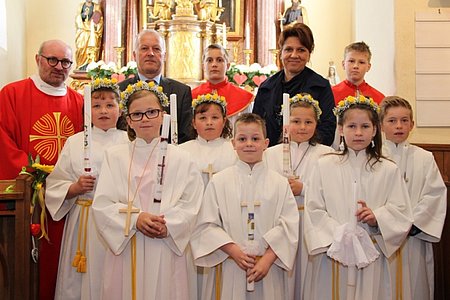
[(399, 275), (218, 281), (300, 207), (79, 261)]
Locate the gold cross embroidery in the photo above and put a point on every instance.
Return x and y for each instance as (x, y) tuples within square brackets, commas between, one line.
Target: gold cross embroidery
[(210, 171), (53, 134), (129, 210)]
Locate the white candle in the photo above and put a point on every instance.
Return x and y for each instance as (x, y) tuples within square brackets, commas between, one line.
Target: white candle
[(224, 35), (285, 109), (174, 118), (92, 35), (220, 3), (165, 126), (87, 128), (247, 36)]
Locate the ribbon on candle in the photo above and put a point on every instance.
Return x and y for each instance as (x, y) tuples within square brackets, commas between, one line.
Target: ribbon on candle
[(162, 158), (87, 129), (174, 119), (286, 147)]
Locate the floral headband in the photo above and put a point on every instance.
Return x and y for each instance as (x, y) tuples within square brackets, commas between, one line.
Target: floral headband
[(345, 104), (141, 86), (210, 98), (304, 97), (106, 83)]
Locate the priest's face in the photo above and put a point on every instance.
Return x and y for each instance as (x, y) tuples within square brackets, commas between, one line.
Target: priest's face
[(397, 124), (150, 54), (54, 75), (146, 128), (249, 142), (105, 109), (215, 66), (294, 57)]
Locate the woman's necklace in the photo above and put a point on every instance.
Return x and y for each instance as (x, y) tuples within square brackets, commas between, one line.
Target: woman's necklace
[(294, 171)]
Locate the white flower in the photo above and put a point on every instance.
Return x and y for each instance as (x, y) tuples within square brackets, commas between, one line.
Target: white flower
[(269, 69), (132, 64), (254, 67), (123, 70), (242, 68), (91, 66)]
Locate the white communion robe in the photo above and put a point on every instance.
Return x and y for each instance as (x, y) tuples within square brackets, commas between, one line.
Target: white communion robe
[(70, 166), (330, 203), (303, 158), (223, 220), (219, 154), (428, 195), (161, 264)]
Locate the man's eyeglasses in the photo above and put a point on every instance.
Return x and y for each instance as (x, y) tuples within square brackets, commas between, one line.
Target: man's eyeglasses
[(53, 61), (150, 114)]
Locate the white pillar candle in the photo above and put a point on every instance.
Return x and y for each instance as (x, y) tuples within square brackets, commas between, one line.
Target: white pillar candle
[(87, 128)]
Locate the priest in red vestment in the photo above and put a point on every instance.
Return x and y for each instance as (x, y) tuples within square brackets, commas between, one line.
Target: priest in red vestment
[(37, 115), (215, 66)]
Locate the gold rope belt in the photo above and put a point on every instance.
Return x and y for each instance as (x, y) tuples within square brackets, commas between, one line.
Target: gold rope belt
[(79, 261), (335, 280), (218, 281), (399, 275), (133, 267)]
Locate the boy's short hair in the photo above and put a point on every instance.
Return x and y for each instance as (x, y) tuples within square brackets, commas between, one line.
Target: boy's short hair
[(359, 47), (249, 118), (219, 47), (394, 101)]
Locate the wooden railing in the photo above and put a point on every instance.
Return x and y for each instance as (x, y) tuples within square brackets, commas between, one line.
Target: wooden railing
[(18, 273)]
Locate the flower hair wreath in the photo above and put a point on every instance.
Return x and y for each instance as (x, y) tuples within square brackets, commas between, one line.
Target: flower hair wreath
[(106, 83), (304, 97), (141, 86), (349, 101), (210, 98)]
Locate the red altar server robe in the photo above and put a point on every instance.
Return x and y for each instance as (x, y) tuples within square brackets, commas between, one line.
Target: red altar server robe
[(346, 88), (237, 99)]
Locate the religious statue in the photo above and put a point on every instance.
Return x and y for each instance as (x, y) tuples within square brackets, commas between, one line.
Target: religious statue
[(162, 10), (207, 10), (294, 14), (184, 8), (89, 31), (333, 76)]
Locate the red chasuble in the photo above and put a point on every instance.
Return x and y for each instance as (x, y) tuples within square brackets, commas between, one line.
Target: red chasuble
[(237, 99), (37, 123), (346, 88)]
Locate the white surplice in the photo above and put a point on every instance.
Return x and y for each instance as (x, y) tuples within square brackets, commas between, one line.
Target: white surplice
[(428, 195), (219, 154), (303, 158), (223, 220), (330, 204), (70, 166), (161, 264)]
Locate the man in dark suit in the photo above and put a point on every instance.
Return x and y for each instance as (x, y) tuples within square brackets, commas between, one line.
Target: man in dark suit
[(149, 53)]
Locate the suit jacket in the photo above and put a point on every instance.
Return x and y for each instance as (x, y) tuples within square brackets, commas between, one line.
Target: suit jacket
[(184, 103)]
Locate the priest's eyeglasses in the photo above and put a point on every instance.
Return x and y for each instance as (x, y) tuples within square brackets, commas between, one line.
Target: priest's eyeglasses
[(53, 61), (150, 114)]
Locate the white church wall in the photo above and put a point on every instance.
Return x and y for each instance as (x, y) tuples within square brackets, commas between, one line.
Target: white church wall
[(50, 19), (12, 56)]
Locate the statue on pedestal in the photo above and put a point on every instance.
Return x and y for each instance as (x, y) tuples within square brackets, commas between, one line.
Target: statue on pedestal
[(89, 31)]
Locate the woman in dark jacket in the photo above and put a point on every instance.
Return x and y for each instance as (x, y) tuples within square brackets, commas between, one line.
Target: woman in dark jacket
[(296, 44)]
